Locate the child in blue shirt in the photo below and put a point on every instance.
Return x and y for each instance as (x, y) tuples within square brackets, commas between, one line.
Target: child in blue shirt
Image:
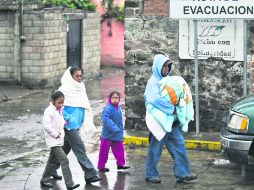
[(112, 133)]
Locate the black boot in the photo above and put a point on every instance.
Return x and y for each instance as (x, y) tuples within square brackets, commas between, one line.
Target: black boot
[(93, 179), (123, 167), (187, 178), (47, 184), (73, 186)]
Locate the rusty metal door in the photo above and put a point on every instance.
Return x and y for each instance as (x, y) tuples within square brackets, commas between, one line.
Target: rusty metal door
[(74, 43)]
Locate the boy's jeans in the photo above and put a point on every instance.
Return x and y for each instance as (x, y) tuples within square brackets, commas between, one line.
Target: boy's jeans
[(175, 145)]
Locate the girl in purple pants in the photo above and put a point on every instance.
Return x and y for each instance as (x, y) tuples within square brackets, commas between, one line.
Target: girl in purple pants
[(112, 134)]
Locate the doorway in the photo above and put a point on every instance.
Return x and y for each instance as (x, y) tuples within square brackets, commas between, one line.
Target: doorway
[(74, 43)]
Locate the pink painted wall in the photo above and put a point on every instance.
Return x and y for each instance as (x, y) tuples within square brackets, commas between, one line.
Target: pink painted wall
[(112, 47)]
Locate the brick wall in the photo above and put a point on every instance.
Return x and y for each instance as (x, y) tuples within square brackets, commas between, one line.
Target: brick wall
[(6, 45), (156, 7), (146, 8)]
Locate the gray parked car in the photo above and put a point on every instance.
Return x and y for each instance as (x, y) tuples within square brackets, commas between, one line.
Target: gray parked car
[(237, 137)]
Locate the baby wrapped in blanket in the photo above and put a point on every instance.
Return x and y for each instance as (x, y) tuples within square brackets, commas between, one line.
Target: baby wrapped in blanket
[(175, 90)]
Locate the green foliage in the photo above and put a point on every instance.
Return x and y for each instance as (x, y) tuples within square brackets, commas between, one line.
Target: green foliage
[(74, 4), (118, 13), (114, 11)]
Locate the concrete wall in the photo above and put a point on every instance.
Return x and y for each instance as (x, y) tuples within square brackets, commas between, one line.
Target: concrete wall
[(44, 51), (43, 56), (91, 45), (220, 82), (7, 23)]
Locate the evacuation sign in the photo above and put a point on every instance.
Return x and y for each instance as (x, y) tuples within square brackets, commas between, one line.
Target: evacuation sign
[(195, 9), (218, 38)]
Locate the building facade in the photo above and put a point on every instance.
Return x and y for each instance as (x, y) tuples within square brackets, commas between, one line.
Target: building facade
[(37, 44)]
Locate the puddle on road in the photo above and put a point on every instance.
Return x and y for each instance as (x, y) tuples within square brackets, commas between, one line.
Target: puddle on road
[(29, 161)]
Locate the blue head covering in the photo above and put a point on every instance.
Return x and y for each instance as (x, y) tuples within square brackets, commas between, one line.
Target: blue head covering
[(158, 63), (152, 92)]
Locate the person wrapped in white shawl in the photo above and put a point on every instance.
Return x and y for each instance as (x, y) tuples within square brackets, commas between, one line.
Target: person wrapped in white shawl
[(76, 96)]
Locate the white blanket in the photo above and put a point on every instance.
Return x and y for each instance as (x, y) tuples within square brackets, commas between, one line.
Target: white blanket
[(75, 96), (154, 126)]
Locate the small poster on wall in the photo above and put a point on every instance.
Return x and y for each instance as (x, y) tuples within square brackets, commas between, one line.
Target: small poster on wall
[(218, 38)]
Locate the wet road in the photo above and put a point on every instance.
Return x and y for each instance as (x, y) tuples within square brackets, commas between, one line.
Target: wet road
[(212, 177), (23, 152)]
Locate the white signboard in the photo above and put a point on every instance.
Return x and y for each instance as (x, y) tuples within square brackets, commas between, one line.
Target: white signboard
[(220, 38), (195, 9)]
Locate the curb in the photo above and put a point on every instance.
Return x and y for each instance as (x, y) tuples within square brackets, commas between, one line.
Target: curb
[(190, 144)]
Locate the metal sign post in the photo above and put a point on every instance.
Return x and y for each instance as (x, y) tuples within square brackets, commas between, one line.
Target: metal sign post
[(196, 74), (245, 58)]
